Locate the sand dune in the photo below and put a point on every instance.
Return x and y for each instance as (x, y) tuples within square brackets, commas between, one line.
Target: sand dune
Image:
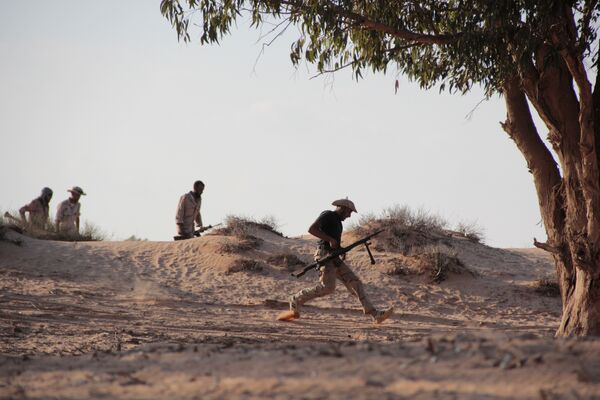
[(191, 319)]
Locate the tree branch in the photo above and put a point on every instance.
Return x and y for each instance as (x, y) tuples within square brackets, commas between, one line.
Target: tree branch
[(270, 42), (520, 127), (394, 49), (370, 24), (547, 247)]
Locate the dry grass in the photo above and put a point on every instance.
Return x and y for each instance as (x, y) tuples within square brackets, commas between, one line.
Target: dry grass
[(88, 232), (398, 268), (288, 261), (471, 231), (243, 227), (92, 232), (547, 287), (244, 230), (134, 238), (242, 244), (437, 263), (406, 230), (244, 265)]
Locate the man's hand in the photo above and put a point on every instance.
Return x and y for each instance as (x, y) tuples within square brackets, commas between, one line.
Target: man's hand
[(333, 244)]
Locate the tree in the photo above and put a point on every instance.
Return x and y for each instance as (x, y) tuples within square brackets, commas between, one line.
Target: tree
[(532, 52)]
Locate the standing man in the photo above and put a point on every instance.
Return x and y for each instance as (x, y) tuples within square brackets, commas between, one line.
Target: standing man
[(38, 210), (188, 211), (68, 212), (328, 227)]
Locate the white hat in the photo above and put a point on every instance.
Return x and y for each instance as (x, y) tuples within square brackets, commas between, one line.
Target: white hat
[(345, 203)]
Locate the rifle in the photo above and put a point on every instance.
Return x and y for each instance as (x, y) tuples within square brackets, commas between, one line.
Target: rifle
[(197, 232), (15, 220), (339, 252)]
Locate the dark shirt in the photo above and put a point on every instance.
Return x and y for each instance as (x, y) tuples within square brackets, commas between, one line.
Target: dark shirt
[(330, 223)]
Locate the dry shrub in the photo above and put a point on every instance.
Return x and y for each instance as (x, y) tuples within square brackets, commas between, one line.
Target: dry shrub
[(406, 230), (398, 268), (244, 243), (244, 265), (3, 238), (547, 287), (88, 232), (437, 262), (242, 227), (471, 231), (286, 260), (91, 232), (420, 219), (134, 238)]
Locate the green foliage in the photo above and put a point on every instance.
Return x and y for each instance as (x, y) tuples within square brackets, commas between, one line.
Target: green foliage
[(451, 43)]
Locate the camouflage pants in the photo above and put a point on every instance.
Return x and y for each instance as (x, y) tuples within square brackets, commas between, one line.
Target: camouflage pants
[(328, 274)]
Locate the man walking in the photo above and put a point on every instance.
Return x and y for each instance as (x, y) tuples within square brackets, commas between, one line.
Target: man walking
[(328, 227), (38, 210), (188, 212), (68, 213)]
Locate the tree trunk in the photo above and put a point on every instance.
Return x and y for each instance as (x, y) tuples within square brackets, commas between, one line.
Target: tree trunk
[(581, 313), (562, 205)]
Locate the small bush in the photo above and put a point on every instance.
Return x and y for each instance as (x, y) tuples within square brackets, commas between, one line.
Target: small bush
[(471, 231), (241, 227), (420, 219), (134, 238), (547, 287), (286, 260), (92, 232), (244, 243), (406, 230), (88, 232), (437, 262), (398, 268), (244, 265)]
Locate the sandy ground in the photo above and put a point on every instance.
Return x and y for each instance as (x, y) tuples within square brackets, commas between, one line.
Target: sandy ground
[(175, 320)]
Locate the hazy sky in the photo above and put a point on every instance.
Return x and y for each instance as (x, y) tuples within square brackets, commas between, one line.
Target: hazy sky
[(102, 95)]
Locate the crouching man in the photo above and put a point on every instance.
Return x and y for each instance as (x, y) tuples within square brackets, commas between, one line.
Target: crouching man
[(69, 212), (38, 209), (188, 212)]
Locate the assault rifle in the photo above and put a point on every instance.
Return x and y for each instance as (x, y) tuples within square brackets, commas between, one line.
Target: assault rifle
[(338, 252), (197, 232)]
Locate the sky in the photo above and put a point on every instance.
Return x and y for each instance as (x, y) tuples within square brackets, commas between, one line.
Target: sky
[(102, 95)]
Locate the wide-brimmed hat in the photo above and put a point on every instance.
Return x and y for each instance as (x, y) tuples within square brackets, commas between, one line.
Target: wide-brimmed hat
[(77, 189), (345, 203)]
